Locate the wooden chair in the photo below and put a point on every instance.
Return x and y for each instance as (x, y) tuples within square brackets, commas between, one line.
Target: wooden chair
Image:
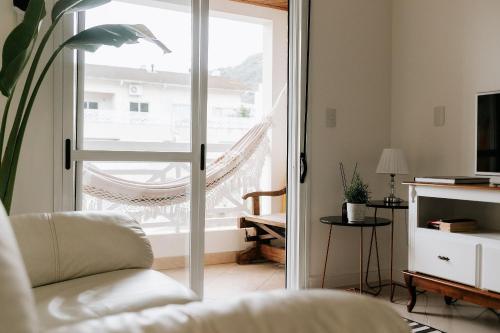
[(268, 227)]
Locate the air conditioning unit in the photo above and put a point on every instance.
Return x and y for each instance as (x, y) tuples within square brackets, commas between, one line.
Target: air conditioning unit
[(135, 90)]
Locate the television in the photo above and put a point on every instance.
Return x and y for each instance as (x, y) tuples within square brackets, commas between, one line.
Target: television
[(488, 134)]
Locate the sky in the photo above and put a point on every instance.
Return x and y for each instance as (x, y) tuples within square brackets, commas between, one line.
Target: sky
[(230, 41)]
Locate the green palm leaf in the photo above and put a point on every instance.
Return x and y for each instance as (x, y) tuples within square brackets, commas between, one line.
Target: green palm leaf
[(71, 6), (112, 35), (18, 46)]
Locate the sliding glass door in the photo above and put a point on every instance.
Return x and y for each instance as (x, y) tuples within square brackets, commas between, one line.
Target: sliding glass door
[(138, 138)]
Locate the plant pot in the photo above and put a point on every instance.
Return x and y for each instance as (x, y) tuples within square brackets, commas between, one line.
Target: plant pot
[(356, 212)]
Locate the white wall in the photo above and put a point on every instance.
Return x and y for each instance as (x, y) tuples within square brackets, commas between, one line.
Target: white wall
[(350, 65), (444, 52), (34, 185)]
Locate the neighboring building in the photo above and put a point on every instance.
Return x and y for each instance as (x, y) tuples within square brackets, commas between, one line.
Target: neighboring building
[(128, 108)]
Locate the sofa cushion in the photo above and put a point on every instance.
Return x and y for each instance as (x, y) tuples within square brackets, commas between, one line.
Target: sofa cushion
[(17, 308), (312, 311), (63, 246), (105, 294)]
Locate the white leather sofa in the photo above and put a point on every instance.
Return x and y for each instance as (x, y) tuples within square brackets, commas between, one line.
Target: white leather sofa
[(91, 272)]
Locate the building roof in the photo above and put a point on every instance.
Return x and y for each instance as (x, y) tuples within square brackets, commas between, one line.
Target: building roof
[(138, 75)]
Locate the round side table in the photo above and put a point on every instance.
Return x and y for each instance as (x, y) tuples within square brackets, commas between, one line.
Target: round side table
[(369, 222), (380, 204)]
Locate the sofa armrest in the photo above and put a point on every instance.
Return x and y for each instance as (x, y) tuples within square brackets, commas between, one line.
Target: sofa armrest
[(63, 246)]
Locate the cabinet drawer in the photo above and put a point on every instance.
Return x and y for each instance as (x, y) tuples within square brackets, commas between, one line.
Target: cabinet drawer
[(441, 255), (490, 268)]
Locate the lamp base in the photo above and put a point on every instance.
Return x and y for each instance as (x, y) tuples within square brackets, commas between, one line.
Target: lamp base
[(392, 200)]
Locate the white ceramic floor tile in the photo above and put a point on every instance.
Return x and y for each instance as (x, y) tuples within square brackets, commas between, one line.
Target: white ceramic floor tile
[(430, 309), (230, 280)]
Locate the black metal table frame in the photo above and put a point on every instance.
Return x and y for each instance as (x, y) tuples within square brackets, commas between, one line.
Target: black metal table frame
[(391, 282), (361, 253)]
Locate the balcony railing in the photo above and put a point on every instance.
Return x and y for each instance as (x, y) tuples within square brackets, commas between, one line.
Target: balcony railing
[(222, 212)]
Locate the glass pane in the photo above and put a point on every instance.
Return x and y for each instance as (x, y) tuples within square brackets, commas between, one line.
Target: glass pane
[(156, 194), (235, 104), (246, 134), (136, 97)]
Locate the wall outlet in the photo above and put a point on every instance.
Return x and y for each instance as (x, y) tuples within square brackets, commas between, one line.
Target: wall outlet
[(331, 117), (439, 116)]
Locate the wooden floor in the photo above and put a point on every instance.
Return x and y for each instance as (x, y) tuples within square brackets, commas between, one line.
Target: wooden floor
[(228, 280)]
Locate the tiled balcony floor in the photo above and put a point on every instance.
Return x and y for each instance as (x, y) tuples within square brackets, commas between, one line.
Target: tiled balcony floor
[(229, 280)]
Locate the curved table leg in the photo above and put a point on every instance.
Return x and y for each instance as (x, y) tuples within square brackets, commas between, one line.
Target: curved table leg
[(369, 258), (326, 256), (412, 290), (392, 255), (361, 260), (374, 236)]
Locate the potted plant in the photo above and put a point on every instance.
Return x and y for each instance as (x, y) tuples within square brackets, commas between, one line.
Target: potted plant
[(357, 195), (23, 49)]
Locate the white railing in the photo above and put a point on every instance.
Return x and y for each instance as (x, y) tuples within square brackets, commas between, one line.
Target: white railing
[(222, 213)]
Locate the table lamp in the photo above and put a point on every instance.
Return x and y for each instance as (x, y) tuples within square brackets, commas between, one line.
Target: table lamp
[(392, 162)]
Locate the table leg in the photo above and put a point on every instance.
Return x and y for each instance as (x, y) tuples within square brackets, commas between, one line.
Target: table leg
[(378, 263), (370, 252), (412, 290), (361, 260), (374, 235), (326, 256), (392, 254)]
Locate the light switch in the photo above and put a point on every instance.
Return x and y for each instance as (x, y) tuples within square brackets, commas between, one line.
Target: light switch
[(439, 116), (331, 117)]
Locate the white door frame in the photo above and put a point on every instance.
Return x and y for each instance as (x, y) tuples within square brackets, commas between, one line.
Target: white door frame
[(298, 230), (297, 273)]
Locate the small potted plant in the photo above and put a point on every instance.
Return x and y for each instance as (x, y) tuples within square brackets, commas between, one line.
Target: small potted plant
[(357, 195)]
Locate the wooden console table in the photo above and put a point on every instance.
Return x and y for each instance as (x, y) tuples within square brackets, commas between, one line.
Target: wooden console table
[(462, 266)]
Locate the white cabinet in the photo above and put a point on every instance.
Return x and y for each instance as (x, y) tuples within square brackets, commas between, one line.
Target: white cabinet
[(468, 258), (490, 268), (438, 254)]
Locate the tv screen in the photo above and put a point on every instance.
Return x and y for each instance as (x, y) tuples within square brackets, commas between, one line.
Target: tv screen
[(488, 133)]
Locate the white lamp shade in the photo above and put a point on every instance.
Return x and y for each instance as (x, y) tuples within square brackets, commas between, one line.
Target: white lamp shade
[(392, 161)]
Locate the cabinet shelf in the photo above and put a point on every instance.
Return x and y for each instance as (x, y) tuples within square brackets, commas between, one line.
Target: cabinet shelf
[(480, 233)]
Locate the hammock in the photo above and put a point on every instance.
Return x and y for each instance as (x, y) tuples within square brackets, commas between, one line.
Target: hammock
[(99, 184), (105, 186)]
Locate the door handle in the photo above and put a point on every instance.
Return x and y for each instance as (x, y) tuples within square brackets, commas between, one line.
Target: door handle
[(67, 154), (202, 157), (443, 258)]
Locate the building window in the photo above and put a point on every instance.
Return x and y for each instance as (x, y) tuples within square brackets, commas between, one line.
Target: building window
[(136, 107), (87, 105)]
